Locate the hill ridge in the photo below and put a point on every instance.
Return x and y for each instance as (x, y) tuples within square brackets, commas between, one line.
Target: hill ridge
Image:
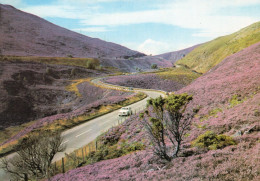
[(209, 54), (43, 38)]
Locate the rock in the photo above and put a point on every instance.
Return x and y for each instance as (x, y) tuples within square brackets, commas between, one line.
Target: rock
[(238, 133), (252, 129)]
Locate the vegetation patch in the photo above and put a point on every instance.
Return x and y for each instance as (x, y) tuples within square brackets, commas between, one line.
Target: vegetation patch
[(235, 100), (209, 54), (106, 152), (73, 87), (180, 74), (212, 141), (106, 146), (211, 113), (63, 124), (89, 63)]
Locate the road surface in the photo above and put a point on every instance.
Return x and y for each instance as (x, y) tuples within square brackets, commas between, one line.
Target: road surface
[(85, 133)]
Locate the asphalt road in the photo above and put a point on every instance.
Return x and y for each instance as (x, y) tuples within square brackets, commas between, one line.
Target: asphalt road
[(85, 133)]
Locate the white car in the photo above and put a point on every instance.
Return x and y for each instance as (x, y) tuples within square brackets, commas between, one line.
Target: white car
[(125, 111)]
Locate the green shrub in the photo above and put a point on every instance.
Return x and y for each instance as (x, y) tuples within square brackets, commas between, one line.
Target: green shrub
[(212, 141), (154, 66), (106, 152), (235, 100)]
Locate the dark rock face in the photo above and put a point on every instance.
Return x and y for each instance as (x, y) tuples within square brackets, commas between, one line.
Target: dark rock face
[(28, 91)]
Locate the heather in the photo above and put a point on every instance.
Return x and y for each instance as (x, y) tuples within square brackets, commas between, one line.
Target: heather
[(208, 55), (145, 81), (220, 164), (227, 100), (24, 34), (92, 103)]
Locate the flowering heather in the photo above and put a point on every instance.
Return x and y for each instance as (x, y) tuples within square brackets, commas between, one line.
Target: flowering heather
[(239, 74), (145, 81), (92, 97)]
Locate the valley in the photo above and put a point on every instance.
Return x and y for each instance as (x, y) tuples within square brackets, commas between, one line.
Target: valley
[(195, 111)]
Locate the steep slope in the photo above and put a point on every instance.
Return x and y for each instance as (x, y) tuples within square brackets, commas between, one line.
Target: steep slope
[(176, 55), (24, 34), (228, 97), (209, 54), (132, 64)]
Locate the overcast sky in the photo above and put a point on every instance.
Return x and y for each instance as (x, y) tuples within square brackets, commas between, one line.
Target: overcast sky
[(149, 26)]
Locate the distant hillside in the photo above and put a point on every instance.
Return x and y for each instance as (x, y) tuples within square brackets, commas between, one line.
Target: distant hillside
[(176, 55), (228, 101), (209, 54), (24, 34)]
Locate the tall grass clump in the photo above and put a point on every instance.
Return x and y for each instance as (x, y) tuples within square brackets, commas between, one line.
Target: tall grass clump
[(212, 141)]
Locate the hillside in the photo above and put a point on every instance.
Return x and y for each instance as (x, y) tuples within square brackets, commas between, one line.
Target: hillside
[(176, 55), (209, 54), (228, 97), (24, 34)]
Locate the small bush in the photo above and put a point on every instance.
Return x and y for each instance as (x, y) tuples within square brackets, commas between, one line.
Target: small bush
[(48, 70), (106, 152), (73, 72), (235, 100), (154, 66), (212, 141)]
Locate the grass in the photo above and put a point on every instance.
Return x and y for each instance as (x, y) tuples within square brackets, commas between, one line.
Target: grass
[(7, 133), (209, 54), (96, 151), (236, 99), (61, 125), (212, 141), (89, 63), (180, 74), (73, 87)]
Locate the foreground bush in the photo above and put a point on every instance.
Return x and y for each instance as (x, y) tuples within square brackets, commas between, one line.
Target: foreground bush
[(109, 151), (212, 141), (34, 158), (167, 118)]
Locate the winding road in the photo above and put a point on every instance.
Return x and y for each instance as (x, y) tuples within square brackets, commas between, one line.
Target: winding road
[(85, 133)]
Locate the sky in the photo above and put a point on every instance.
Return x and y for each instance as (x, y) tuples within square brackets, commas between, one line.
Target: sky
[(149, 26)]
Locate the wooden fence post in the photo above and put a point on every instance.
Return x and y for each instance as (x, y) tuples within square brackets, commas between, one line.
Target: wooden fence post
[(82, 154), (55, 167), (62, 162), (25, 177)]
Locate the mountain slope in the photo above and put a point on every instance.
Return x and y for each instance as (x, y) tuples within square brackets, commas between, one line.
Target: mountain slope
[(211, 53), (24, 34), (237, 114), (176, 55)]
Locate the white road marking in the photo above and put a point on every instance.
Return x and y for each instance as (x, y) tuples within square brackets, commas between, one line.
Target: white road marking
[(64, 142), (104, 122), (83, 133)]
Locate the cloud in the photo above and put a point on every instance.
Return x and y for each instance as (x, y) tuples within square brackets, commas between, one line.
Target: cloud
[(92, 29), (12, 2), (200, 15), (150, 46), (59, 11)]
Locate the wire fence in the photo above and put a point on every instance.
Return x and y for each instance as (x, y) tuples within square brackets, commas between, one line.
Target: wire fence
[(79, 157)]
